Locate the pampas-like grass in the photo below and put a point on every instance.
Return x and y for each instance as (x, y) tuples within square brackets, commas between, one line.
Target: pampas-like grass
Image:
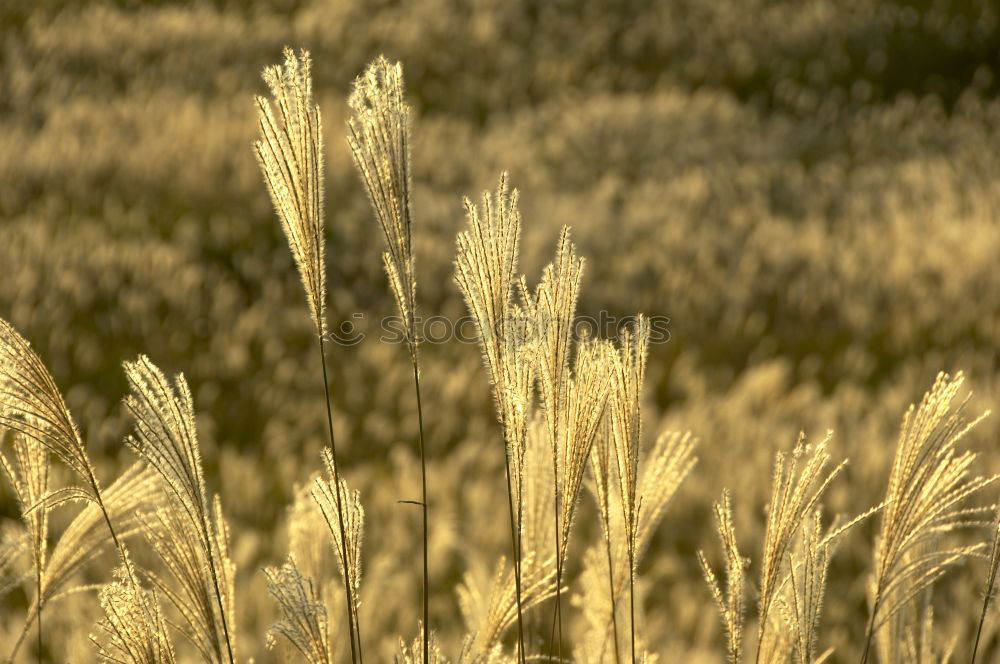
[(670, 461), (606, 567), (31, 404), (590, 393), (303, 622), (490, 613), (177, 543), (486, 271), (928, 483), (379, 137), (797, 487), (794, 495), (28, 474), (290, 152), (410, 653), (83, 540), (339, 504), (807, 578), (804, 584), (729, 601), (134, 630), (166, 438), (573, 399)]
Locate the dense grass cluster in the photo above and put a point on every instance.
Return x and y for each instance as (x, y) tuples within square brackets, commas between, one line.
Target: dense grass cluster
[(807, 190)]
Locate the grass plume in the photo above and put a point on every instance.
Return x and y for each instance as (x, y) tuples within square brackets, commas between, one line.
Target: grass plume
[(290, 153), (332, 497), (573, 399), (928, 482), (32, 405), (629, 370), (666, 465), (490, 613), (303, 620), (134, 630), (795, 493), (729, 601), (805, 583), (84, 539), (379, 136), (486, 271), (28, 474), (166, 438)]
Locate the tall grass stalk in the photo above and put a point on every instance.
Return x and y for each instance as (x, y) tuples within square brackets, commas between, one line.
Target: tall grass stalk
[(486, 271), (32, 405), (353, 629), (990, 584), (600, 463), (290, 153), (629, 371), (166, 438), (84, 538), (928, 482), (379, 136)]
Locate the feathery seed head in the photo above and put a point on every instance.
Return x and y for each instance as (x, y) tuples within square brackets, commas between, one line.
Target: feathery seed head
[(485, 271), (578, 424), (794, 496), (28, 474), (379, 136), (177, 542), (411, 653), (349, 553), (730, 602), (486, 265), (85, 538), (490, 613), (629, 371), (134, 630), (303, 617), (290, 153), (928, 482), (165, 435), (31, 404)]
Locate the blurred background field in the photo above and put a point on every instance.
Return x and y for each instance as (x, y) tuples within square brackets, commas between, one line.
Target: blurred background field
[(808, 189)]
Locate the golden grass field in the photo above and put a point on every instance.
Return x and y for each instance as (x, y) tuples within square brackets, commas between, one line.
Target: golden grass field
[(800, 197)]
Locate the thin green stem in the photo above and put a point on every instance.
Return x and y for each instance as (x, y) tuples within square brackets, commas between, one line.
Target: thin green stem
[(348, 592), (423, 487), (994, 561)]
